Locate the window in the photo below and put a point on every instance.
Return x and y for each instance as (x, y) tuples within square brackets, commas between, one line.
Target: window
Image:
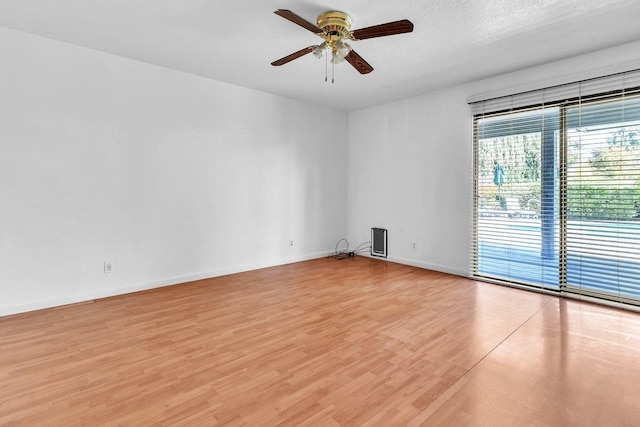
[(557, 189)]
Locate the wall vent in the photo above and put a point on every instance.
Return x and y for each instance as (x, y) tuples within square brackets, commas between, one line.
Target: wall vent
[(379, 242)]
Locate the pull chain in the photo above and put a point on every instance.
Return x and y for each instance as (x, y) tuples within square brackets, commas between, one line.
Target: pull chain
[(333, 68), (326, 65)]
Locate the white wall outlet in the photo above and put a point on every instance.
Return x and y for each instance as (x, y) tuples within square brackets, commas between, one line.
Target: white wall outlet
[(108, 266), (290, 242)]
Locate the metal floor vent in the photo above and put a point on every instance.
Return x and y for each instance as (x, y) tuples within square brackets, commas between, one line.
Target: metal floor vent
[(379, 242)]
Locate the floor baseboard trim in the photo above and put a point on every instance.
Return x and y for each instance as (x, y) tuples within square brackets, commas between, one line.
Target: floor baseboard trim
[(152, 284), (421, 264)]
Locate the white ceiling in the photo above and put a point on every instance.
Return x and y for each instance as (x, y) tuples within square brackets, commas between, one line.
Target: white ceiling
[(454, 41)]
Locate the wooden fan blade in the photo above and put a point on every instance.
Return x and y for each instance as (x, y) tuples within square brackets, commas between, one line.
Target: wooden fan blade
[(293, 56), (358, 63), (388, 29), (287, 14)]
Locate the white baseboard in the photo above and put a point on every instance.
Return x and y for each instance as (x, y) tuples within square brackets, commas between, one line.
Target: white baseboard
[(425, 265), (58, 301)]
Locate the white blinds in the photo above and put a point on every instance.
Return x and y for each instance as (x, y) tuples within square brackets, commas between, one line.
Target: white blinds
[(516, 211), (602, 200), (556, 94), (557, 188)]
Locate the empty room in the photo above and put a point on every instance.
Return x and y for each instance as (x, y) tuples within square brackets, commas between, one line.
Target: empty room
[(344, 213)]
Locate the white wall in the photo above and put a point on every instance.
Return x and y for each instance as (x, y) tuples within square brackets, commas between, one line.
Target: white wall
[(409, 171), (410, 162), (171, 177)]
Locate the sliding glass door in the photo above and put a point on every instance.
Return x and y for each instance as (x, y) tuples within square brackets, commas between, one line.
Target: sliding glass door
[(557, 195), (603, 198), (517, 236)]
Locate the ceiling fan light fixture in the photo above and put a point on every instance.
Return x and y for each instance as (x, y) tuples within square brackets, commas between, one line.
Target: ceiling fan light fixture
[(319, 50), (340, 51), (336, 59), (343, 48)]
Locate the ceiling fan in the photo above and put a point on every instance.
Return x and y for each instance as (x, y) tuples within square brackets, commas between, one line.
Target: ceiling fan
[(335, 27)]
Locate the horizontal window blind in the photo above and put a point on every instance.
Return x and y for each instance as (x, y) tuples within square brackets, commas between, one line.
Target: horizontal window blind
[(600, 86), (602, 202), (516, 215), (557, 188)]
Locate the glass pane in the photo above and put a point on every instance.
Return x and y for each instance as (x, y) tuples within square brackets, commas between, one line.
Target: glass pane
[(603, 198), (516, 198)]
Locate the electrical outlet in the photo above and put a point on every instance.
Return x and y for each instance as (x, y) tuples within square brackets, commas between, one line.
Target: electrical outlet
[(108, 266), (414, 246), (290, 242)]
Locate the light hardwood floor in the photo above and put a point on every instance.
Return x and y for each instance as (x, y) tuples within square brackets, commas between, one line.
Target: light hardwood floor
[(324, 342)]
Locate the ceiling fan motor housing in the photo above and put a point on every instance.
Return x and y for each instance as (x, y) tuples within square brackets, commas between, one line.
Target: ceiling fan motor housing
[(337, 24)]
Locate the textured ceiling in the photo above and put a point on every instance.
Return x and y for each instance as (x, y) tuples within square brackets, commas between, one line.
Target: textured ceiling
[(454, 41)]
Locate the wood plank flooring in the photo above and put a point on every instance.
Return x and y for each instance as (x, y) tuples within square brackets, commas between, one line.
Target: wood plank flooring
[(324, 343)]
